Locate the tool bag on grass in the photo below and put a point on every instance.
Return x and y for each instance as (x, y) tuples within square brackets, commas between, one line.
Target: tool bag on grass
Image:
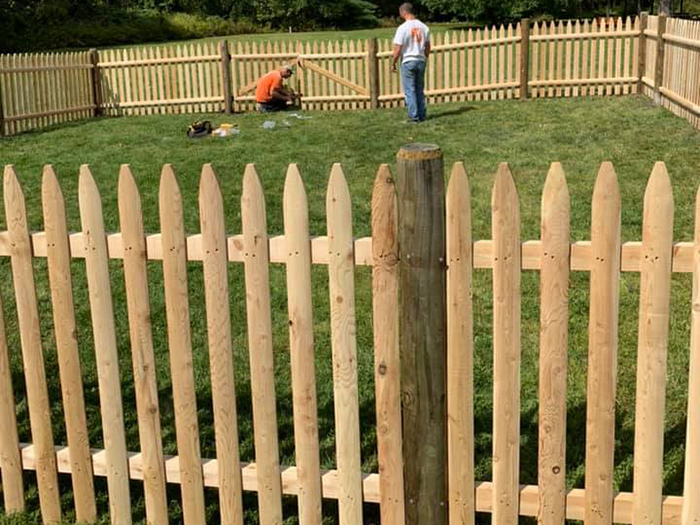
[(201, 128)]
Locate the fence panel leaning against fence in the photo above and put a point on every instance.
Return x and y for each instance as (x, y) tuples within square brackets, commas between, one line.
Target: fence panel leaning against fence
[(403, 350)]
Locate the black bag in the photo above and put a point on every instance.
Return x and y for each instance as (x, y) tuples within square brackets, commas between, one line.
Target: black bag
[(201, 128)]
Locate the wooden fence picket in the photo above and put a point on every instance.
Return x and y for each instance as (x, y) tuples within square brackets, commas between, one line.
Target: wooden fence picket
[(691, 487), (142, 355), (32, 348), (505, 225), (654, 298), (301, 346), (387, 365), (554, 319), (216, 295), (180, 342), (262, 381), (104, 335), (460, 350), (10, 458), (602, 347), (343, 340), (65, 329)]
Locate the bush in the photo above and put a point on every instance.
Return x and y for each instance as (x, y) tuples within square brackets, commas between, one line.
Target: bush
[(134, 27)]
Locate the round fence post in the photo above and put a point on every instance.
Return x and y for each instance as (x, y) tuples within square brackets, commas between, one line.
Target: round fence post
[(423, 331)]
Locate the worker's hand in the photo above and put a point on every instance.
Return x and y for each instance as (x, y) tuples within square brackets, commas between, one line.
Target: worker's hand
[(393, 67)]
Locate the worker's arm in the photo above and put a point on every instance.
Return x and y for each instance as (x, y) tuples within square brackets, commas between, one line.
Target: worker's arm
[(427, 49), (282, 94), (395, 56)]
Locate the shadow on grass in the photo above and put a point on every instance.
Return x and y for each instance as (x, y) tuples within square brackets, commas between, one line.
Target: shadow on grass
[(451, 112)]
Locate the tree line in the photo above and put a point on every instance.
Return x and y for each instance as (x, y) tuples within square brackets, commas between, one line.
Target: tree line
[(28, 24)]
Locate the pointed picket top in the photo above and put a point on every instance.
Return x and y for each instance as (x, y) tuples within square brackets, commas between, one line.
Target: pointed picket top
[(127, 189), (52, 201), (503, 188), (12, 192), (606, 186), (459, 217), (384, 217), (50, 188), (555, 195), (253, 208), (211, 201), (130, 214), (339, 210), (169, 190), (294, 199), (658, 195), (90, 205), (458, 187)]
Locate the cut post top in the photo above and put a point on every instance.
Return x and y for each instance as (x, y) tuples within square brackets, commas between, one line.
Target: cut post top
[(419, 151)]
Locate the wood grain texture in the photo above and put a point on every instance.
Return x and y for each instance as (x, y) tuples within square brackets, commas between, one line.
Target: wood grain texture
[(505, 225), (216, 295), (654, 297), (554, 318), (420, 182), (10, 458), (460, 350), (602, 347), (142, 356), (179, 340), (343, 340), (65, 329), (691, 487), (301, 346), (387, 363), (32, 351), (104, 335), (257, 282)]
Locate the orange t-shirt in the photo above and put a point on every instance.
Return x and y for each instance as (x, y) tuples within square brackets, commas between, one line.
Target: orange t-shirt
[(266, 85)]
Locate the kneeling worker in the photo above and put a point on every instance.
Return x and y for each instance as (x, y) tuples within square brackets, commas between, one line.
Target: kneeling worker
[(270, 94)]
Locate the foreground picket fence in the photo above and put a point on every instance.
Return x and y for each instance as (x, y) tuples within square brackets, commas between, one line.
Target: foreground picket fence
[(655, 56), (554, 256)]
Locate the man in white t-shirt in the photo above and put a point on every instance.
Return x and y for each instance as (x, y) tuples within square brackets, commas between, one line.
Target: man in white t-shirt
[(412, 44)]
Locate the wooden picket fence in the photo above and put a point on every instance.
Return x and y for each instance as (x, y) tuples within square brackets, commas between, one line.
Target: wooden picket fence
[(562, 59), (554, 256)]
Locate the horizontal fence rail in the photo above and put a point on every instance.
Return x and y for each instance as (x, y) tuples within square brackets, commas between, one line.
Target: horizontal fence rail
[(655, 257), (655, 56)]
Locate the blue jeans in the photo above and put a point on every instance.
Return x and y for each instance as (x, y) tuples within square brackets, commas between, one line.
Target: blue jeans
[(413, 78)]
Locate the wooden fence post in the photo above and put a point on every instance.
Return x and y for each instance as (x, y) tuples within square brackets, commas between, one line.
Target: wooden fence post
[(423, 331), (226, 76), (372, 50), (642, 58), (2, 116), (96, 82), (524, 57), (660, 55)]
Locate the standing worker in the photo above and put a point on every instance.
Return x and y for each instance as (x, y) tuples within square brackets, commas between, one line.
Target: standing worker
[(271, 94), (412, 44)]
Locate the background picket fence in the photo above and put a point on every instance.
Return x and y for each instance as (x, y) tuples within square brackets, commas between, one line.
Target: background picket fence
[(612, 56), (554, 255)]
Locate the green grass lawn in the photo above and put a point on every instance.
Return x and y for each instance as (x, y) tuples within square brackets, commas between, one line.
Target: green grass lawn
[(581, 134)]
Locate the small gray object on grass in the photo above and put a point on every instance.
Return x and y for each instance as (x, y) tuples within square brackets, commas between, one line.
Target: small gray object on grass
[(268, 124), (302, 117)]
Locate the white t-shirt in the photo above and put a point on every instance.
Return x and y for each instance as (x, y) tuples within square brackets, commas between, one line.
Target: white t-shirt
[(412, 36)]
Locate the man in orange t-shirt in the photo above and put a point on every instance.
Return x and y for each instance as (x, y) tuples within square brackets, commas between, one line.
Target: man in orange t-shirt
[(271, 94)]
